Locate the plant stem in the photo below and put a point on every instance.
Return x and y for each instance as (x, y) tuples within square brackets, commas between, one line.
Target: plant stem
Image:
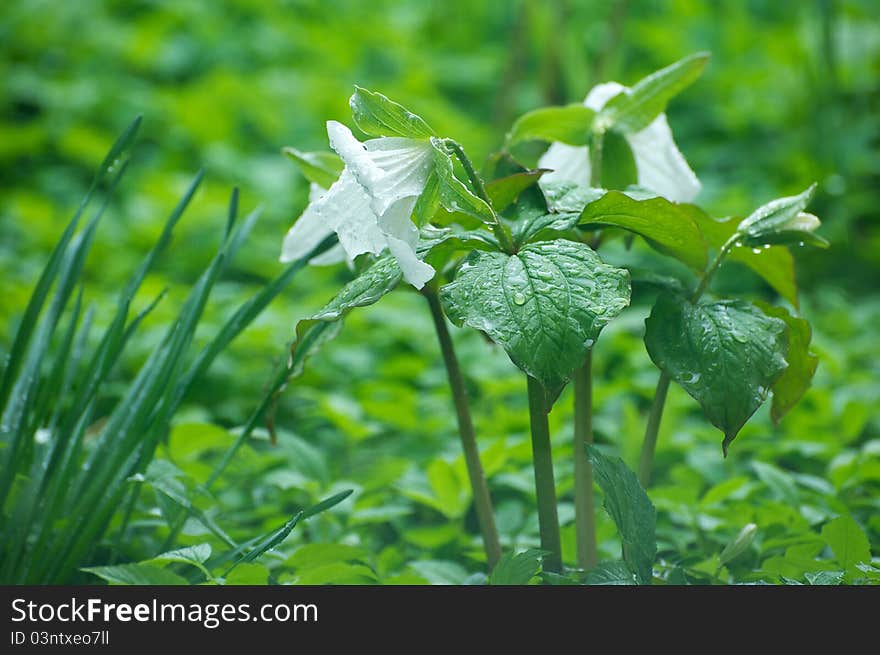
[(649, 445), (501, 232), (482, 500), (584, 507), (545, 486)]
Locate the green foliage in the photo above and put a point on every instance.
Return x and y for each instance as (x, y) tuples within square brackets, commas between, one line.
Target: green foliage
[(569, 124), (376, 115), (632, 512), (726, 354), (544, 305)]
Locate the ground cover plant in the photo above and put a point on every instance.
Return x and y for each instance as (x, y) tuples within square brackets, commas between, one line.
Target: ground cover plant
[(555, 361)]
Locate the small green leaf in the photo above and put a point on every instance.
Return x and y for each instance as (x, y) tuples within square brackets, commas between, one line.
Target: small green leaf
[(848, 542), (658, 220), (545, 305), (366, 289), (376, 115), (782, 221), (632, 111), (136, 574), (632, 511), (454, 195), (824, 577), (725, 354), (738, 545), (428, 203), (517, 568), (505, 190), (569, 124), (616, 572), (802, 364), (321, 168)]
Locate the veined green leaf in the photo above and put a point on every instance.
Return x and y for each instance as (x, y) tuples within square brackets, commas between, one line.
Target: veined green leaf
[(321, 168), (658, 220), (802, 364), (454, 195), (569, 124), (616, 572), (633, 110), (505, 190), (782, 221), (632, 511), (739, 544), (517, 568), (377, 115), (726, 354), (545, 305), (848, 542)]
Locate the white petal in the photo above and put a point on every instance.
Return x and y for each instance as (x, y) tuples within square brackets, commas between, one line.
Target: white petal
[(316, 191), (344, 209), (406, 164), (568, 164), (402, 237), (661, 166), (601, 94)]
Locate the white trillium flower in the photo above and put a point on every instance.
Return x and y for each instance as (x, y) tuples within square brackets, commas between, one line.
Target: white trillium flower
[(660, 165), (370, 205)]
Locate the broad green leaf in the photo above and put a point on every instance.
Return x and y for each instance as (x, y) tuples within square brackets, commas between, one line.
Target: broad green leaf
[(633, 110), (725, 354), (517, 568), (545, 305), (439, 250), (632, 511), (618, 162), (505, 190), (454, 195), (658, 220), (569, 124), (802, 364), (848, 542), (774, 264), (428, 203), (193, 555), (616, 572), (530, 219), (321, 168), (782, 221), (136, 574), (738, 545), (824, 577), (376, 115)]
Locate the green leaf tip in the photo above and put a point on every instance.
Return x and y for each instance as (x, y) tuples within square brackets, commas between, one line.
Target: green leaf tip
[(377, 115)]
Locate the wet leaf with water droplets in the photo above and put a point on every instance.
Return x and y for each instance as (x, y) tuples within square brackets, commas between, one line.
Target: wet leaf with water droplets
[(725, 354), (543, 305), (377, 115)]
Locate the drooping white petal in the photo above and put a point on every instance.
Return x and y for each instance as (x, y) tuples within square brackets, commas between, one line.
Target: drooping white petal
[(389, 168), (344, 209), (566, 163), (661, 166), (402, 237)]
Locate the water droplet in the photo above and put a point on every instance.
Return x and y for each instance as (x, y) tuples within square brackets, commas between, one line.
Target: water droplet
[(589, 343), (757, 251), (801, 244), (519, 298), (738, 244), (739, 336), (692, 378), (766, 246)]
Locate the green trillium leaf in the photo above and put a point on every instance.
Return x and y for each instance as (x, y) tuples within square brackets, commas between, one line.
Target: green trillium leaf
[(569, 124), (802, 364), (632, 111), (505, 190), (453, 194), (632, 511), (774, 264), (545, 305), (321, 168), (726, 354), (782, 221), (377, 115)]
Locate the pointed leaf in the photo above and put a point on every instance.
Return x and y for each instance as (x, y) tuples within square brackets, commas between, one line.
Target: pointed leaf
[(782, 221), (802, 364), (632, 111), (616, 572), (544, 305), (725, 354), (517, 568), (377, 115), (569, 124), (321, 168), (848, 542), (454, 195), (632, 511)]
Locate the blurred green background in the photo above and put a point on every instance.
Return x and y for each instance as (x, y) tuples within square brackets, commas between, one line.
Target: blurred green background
[(791, 96)]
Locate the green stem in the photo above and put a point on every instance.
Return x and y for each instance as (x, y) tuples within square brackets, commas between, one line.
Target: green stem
[(501, 232), (482, 499), (649, 445), (545, 486), (584, 507)]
